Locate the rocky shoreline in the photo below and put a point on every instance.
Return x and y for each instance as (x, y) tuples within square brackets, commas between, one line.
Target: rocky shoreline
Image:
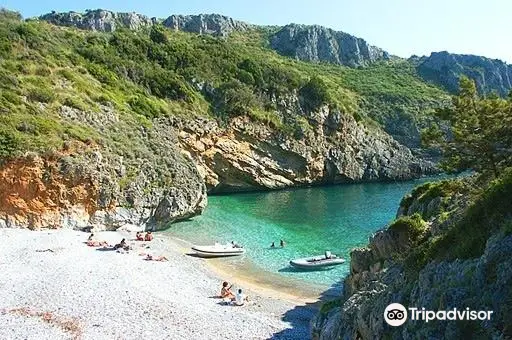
[(397, 265)]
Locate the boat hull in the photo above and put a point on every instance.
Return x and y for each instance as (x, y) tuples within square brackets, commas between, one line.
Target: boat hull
[(214, 251), (319, 262)]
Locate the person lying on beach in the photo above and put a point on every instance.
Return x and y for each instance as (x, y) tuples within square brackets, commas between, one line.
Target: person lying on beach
[(225, 291), (97, 244), (150, 257), (240, 298), (139, 236), (148, 236)]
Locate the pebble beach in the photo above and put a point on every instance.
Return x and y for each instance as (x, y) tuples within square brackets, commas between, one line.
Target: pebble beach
[(53, 286)]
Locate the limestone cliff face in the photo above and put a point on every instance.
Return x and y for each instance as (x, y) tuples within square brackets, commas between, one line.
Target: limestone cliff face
[(99, 20), (248, 155), (213, 24), (445, 69), (320, 44), (108, 21), (379, 277)]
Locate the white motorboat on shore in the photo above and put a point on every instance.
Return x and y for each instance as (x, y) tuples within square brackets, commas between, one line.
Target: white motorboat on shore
[(317, 262), (218, 250)]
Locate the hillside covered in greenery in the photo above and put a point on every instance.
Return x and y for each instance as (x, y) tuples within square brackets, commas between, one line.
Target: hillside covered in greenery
[(157, 72)]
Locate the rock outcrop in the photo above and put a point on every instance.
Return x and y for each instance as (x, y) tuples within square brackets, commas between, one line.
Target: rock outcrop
[(213, 24), (445, 69), (102, 186), (380, 276), (320, 44), (108, 21), (99, 20), (249, 155)]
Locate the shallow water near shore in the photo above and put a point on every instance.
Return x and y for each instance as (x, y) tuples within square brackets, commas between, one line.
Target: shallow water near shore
[(309, 220)]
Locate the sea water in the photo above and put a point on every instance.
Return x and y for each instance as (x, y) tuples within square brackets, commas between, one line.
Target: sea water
[(309, 221)]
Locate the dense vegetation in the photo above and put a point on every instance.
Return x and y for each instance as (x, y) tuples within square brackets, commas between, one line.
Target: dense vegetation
[(149, 74), (477, 135)]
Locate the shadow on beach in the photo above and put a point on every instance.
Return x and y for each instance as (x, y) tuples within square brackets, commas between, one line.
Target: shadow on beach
[(300, 316)]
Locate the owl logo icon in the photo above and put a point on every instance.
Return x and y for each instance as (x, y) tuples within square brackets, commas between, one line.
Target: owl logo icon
[(395, 314)]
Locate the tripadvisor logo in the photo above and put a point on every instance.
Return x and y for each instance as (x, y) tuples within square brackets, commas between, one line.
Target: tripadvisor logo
[(396, 314)]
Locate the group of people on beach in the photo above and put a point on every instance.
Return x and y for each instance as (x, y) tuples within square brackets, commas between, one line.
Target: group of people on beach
[(123, 246), (139, 236), (238, 299)]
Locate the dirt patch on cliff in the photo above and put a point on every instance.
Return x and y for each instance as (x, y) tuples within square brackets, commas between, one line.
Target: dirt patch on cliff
[(34, 191)]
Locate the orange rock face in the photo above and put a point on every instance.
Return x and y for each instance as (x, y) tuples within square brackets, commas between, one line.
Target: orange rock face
[(34, 192)]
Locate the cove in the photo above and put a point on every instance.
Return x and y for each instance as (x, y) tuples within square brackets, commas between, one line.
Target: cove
[(309, 220)]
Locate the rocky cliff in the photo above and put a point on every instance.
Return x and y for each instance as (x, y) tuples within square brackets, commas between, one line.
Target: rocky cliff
[(331, 148), (438, 258), (99, 20), (321, 44), (101, 185), (108, 21), (445, 69), (214, 24)]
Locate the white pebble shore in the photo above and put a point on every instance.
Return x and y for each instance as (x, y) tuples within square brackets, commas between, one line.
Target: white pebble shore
[(78, 292)]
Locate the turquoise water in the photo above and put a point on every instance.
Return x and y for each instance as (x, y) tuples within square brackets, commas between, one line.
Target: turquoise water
[(309, 220)]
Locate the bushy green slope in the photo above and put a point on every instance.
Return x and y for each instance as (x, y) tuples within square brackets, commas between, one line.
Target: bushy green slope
[(147, 74)]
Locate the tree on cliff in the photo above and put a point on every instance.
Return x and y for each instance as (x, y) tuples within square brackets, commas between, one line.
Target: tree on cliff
[(474, 132)]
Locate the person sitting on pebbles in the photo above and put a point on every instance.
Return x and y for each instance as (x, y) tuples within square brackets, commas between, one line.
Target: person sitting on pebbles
[(122, 245), (225, 291), (139, 236), (148, 236), (240, 298)]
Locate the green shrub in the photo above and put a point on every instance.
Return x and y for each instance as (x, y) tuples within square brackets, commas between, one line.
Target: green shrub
[(144, 106), (235, 99), (268, 117), (9, 144), (158, 34), (75, 102), (315, 93), (413, 226), (40, 94)]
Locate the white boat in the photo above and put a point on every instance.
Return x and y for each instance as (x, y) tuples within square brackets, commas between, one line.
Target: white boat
[(218, 250), (318, 262)]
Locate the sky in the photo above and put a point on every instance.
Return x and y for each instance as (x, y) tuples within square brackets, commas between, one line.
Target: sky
[(401, 27)]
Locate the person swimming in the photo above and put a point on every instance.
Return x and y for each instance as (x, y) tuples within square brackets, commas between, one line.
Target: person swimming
[(281, 243), (273, 245)]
